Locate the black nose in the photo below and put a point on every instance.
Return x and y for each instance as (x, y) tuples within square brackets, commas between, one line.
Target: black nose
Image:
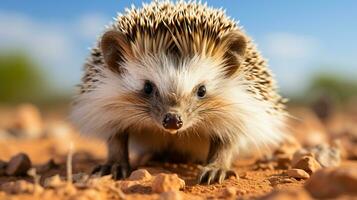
[(172, 121)]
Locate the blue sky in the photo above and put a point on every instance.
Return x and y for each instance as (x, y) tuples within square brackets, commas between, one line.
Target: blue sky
[(299, 38)]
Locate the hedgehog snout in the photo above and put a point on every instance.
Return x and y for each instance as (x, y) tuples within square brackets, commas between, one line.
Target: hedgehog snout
[(172, 121)]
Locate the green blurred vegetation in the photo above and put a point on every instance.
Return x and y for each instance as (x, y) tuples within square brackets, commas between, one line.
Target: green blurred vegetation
[(337, 88), (23, 80), (341, 88), (20, 78)]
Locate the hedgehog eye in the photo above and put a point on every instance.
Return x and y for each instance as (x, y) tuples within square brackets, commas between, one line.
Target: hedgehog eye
[(148, 87), (201, 92)]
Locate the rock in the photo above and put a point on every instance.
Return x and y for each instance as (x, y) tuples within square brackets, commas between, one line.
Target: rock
[(141, 174), (171, 195), (308, 164), (299, 154), (229, 192), (333, 182), (18, 165), (287, 195), (327, 156), (297, 173), (29, 121), (54, 181), (167, 182), (3, 166)]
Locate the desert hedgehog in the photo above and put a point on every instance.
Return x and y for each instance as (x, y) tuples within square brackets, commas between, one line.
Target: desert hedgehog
[(178, 81)]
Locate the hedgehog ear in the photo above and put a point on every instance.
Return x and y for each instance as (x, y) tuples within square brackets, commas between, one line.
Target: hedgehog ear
[(115, 48), (236, 44)]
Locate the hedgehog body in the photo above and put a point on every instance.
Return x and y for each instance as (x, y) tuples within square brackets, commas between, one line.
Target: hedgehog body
[(180, 79)]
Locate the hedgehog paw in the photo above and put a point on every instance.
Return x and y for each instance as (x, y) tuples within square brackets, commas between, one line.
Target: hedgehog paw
[(210, 175), (117, 170)]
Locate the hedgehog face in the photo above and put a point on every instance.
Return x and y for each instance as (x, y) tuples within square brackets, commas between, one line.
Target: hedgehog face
[(169, 90), (173, 93)]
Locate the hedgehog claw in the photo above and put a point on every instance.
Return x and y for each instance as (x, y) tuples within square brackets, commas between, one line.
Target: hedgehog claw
[(118, 171), (210, 175)]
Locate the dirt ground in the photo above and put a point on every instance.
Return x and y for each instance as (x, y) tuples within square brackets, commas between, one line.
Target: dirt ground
[(47, 140)]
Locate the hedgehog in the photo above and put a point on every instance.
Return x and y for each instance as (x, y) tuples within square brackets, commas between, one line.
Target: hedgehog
[(181, 82)]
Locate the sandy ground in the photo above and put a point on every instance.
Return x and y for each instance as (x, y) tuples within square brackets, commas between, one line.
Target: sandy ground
[(257, 177)]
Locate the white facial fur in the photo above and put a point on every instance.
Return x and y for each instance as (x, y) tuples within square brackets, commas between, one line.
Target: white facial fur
[(237, 117)]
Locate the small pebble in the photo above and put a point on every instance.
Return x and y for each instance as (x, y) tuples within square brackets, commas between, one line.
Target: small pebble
[(308, 164), (297, 173), (3, 166), (141, 174), (18, 165), (299, 154), (229, 192), (167, 182)]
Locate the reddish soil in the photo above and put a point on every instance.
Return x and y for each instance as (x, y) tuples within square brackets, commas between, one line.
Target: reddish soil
[(256, 179)]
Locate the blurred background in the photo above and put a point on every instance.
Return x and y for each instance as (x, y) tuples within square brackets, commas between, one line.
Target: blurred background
[(311, 45)]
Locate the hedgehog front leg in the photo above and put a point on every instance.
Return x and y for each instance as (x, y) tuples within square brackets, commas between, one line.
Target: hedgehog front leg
[(118, 158), (218, 163)]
